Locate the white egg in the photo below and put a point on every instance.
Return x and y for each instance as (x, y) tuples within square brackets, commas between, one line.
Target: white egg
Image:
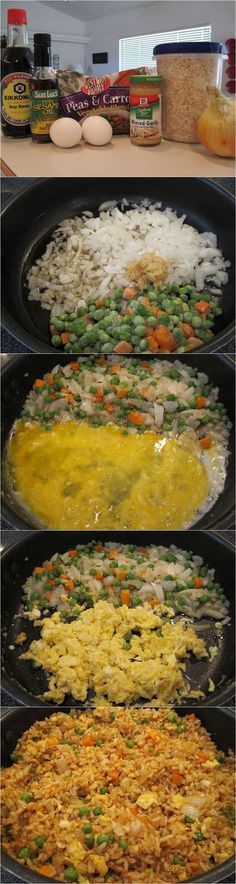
[(66, 132), (96, 130)]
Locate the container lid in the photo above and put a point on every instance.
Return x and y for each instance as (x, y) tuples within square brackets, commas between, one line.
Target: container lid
[(16, 17), (179, 48), (42, 39), (144, 78)]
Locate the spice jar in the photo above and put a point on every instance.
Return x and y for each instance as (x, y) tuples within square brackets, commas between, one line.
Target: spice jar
[(187, 70), (145, 110)]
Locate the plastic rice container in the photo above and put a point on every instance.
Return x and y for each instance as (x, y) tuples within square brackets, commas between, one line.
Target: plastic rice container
[(187, 70)]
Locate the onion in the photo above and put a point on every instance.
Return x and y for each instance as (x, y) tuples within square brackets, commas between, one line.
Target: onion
[(216, 125), (158, 414)]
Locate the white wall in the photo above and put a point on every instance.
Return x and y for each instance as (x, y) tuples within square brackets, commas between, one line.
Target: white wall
[(152, 18), (45, 19)]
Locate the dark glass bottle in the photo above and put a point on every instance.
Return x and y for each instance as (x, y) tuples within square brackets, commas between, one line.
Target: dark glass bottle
[(17, 68), (44, 90)]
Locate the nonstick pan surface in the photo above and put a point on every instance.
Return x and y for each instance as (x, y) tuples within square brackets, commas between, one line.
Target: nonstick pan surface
[(25, 683), (29, 219), (220, 723), (18, 376)]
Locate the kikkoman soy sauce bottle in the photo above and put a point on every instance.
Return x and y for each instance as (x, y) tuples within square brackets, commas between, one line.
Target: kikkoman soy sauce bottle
[(44, 90), (17, 69)]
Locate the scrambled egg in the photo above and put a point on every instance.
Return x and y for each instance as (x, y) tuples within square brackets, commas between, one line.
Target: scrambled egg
[(91, 653), (80, 476)]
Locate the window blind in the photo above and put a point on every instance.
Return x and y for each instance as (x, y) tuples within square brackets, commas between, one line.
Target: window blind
[(137, 51)]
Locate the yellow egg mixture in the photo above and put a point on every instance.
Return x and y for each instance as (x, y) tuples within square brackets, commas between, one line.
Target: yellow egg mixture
[(79, 476)]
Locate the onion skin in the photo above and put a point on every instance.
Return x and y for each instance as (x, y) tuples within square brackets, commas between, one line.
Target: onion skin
[(216, 125)]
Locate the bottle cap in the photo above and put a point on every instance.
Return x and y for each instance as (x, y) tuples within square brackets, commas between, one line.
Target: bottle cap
[(42, 39), (16, 17)]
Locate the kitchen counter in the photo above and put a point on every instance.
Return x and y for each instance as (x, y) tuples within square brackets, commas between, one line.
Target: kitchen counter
[(120, 158)]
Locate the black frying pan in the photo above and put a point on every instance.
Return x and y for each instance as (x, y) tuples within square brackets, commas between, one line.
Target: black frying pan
[(220, 723), (18, 375), (25, 683), (29, 219)]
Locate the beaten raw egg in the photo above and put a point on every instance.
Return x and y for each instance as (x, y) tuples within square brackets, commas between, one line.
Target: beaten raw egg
[(80, 476)]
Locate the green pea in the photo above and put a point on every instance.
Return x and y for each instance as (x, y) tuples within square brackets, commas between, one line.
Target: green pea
[(40, 841), (199, 836), (89, 839), (192, 403), (84, 811), (56, 341), (104, 790), (178, 861), (180, 729), (143, 344), (188, 819), (130, 744), (220, 759), (71, 874), (13, 757), (97, 811), (26, 797), (24, 853), (123, 844), (171, 717), (87, 829), (204, 599)]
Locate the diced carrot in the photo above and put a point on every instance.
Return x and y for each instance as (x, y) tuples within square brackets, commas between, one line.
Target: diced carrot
[(50, 379), (100, 302), (152, 343), (49, 566), (69, 585), (49, 871), (101, 360), (177, 778), (65, 337), (154, 602), (129, 293), (202, 307), (153, 735), (48, 595), (38, 570), (99, 547), (64, 391), (109, 407), (165, 338), (52, 582), (121, 574), (89, 740), (128, 311), (73, 553), (38, 383), (198, 582), (142, 549), (99, 396), (203, 756), (113, 775), (98, 575), (115, 369), (147, 365), (205, 442), (74, 366), (63, 576), (201, 401), (136, 418), (113, 554), (123, 347), (125, 596), (121, 392), (145, 301), (69, 397), (187, 329)]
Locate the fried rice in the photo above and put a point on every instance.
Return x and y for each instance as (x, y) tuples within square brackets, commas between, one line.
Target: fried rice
[(118, 795)]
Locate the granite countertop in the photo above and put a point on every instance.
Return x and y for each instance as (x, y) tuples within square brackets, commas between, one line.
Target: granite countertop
[(11, 186)]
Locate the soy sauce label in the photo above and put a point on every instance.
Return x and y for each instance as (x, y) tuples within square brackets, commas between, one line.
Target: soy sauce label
[(44, 110), (15, 102)]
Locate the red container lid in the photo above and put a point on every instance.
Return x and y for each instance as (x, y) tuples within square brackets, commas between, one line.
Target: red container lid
[(16, 17)]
